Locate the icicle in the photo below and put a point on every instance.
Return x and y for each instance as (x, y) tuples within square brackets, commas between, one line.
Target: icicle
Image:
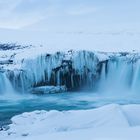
[(78, 70)]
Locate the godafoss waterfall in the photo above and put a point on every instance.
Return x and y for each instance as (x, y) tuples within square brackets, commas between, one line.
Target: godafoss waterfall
[(31, 78)]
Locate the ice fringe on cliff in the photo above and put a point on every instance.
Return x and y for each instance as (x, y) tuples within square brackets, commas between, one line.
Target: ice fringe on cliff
[(33, 67)]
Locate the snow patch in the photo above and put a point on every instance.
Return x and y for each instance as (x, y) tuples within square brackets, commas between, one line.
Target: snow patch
[(42, 122)]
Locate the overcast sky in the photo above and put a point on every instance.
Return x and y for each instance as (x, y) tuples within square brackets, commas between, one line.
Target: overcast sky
[(35, 13), (116, 16)]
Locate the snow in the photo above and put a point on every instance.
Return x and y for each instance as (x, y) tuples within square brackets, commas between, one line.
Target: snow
[(95, 40), (132, 114), (102, 56), (108, 122), (18, 56)]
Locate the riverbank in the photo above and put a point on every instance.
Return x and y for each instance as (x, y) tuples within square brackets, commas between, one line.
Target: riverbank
[(108, 122)]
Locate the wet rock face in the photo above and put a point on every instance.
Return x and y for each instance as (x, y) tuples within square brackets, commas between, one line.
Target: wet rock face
[(12, 46), (67, 75), (6, 62), (100, 66)]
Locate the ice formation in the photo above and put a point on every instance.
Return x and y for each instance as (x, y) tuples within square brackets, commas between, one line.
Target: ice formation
[(30, 67)]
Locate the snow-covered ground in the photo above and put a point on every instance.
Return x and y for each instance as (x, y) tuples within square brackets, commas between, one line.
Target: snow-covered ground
[(98, 40), (24, 53), (110, 122)]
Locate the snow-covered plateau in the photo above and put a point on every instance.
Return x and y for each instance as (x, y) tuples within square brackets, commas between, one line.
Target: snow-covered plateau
[(109, 122)]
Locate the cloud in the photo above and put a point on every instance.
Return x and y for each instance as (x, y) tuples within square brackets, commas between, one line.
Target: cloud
[(81, 10), (6, 7), (21, 13)]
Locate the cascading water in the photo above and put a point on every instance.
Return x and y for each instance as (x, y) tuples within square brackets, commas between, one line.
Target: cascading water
[(136, 78), (5, 84), (119, 77)]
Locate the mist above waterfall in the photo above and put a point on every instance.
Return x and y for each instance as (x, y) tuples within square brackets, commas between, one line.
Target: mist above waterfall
[(5, 85)]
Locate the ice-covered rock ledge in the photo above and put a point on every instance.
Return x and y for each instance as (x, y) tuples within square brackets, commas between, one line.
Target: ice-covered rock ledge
[(48, 89), (111, 120), (28, 67)]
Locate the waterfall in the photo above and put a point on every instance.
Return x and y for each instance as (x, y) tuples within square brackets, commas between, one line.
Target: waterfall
[(78, 70), (56, 70), (5, 85), (102, 80), (136, 78), (122, 76)]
